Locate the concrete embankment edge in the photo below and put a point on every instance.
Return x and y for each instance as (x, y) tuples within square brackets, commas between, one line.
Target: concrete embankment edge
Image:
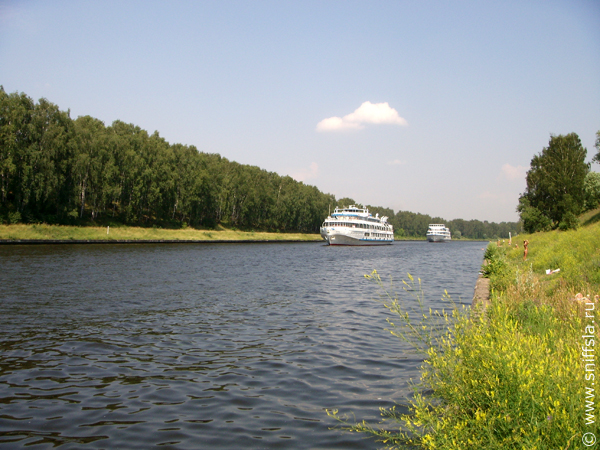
[(139, 241), (481, 296)]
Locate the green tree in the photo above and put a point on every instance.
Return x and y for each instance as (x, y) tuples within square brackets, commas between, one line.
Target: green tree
[(33, 157), (90, 155), (16, 111), (592, 190), (346, 201), (49, 133), (555, 185), (597, 145)]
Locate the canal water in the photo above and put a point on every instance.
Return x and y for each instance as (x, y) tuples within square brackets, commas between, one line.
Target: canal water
[(207, 346)]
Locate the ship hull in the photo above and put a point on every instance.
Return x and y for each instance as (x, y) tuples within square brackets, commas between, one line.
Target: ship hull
[(437, 238), (341, 239)]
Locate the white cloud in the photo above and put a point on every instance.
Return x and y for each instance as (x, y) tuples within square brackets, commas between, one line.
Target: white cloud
[(367, 113), (307, 174), (509, 172), (337, 123)]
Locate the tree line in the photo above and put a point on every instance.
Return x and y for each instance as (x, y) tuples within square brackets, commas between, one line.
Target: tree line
[(55, 169), (58, 170)]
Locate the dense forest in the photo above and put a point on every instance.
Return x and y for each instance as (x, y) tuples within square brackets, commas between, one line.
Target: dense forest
[(55, 169)]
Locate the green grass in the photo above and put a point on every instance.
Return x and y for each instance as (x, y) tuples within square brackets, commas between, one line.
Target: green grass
[(61, 232), (575, 252), (510, 376)]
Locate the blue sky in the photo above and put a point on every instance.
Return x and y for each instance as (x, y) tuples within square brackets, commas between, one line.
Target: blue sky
[(434, 107)]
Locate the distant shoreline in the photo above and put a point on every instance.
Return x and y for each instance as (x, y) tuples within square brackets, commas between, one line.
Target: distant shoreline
[(179, 241)]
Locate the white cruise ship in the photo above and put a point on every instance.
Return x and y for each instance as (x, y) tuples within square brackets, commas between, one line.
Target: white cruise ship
[(356, 226), (438, 233)]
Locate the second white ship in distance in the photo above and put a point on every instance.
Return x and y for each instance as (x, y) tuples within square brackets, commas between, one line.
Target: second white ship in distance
[(438, 232), (356, 226)]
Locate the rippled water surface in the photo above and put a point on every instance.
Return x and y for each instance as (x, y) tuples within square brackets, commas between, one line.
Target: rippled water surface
[(206, 346)]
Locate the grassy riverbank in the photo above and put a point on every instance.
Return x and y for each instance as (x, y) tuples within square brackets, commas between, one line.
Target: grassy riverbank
[(41, 232), (511, 376), (122, 233)]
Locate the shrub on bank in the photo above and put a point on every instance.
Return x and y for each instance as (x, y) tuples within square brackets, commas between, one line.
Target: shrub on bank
[(510, 378)]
